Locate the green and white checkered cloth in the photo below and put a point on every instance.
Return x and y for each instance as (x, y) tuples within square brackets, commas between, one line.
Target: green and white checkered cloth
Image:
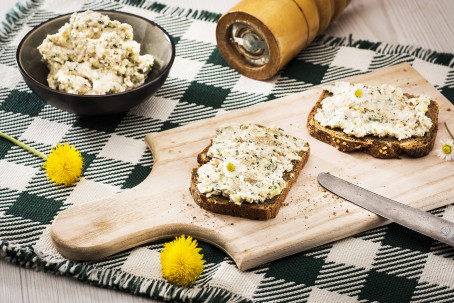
[(387, 264)]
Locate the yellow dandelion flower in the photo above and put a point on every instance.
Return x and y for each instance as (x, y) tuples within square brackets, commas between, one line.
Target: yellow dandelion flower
[(181, 261), (64, 164)]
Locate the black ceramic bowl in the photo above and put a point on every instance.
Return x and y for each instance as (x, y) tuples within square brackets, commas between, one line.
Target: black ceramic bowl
[(154, 40)]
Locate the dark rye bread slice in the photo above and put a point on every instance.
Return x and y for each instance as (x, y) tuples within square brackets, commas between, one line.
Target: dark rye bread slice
[(256, 211), (383, 148)]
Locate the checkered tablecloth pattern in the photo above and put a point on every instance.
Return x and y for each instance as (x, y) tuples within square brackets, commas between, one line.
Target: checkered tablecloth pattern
[(387, 264)]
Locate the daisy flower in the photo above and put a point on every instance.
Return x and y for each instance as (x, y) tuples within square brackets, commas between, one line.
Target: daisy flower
[(360, 93), (181, 261), (231, 167), (446, 149)]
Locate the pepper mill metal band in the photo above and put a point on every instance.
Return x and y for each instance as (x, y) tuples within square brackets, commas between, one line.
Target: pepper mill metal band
[(259, 37)]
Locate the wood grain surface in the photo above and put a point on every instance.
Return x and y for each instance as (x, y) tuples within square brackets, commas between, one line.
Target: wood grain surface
[(417, 22), (161, 206)]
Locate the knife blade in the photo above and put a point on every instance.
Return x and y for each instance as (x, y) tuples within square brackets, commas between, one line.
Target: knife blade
[(413, 218)]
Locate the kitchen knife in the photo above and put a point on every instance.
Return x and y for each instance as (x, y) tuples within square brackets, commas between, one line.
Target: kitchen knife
[(415, 219)]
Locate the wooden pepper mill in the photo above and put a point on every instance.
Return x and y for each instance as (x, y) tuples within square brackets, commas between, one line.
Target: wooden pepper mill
[(258, 37)]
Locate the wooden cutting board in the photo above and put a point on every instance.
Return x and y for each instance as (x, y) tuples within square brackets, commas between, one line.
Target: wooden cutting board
[(162, 207)]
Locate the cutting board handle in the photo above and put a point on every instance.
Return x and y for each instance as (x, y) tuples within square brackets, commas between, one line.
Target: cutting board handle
[(102, 228)]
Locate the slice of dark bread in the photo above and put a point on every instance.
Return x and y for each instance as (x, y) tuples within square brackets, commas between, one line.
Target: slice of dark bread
[(256, 211), (383, 148)]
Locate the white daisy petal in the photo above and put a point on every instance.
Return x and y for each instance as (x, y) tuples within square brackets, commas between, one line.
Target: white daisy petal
[(231, 167), (446, 149), (360, 93)]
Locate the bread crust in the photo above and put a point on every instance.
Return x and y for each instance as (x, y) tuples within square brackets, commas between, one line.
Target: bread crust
[(383, 148), (257, 211)]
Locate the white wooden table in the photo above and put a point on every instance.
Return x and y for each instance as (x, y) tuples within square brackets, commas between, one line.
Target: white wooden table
[(428, 24)]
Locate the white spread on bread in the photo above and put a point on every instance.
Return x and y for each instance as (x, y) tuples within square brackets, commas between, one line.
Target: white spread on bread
[(382, 111), (259, 156), (93, 55)]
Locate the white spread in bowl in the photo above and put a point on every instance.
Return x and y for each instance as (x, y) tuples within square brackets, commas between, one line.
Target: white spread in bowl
[(93, 55)]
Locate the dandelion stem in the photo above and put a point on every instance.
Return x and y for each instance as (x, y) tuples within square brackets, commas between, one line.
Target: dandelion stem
[(449, 132), (24, 146)]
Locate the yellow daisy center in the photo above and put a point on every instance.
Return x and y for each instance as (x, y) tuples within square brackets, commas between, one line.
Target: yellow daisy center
[(230, 167), (446, 149), (358, 93)]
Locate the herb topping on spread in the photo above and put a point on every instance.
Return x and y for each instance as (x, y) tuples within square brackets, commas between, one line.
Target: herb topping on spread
[(382, 111), (93, 55), (248, 163)]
